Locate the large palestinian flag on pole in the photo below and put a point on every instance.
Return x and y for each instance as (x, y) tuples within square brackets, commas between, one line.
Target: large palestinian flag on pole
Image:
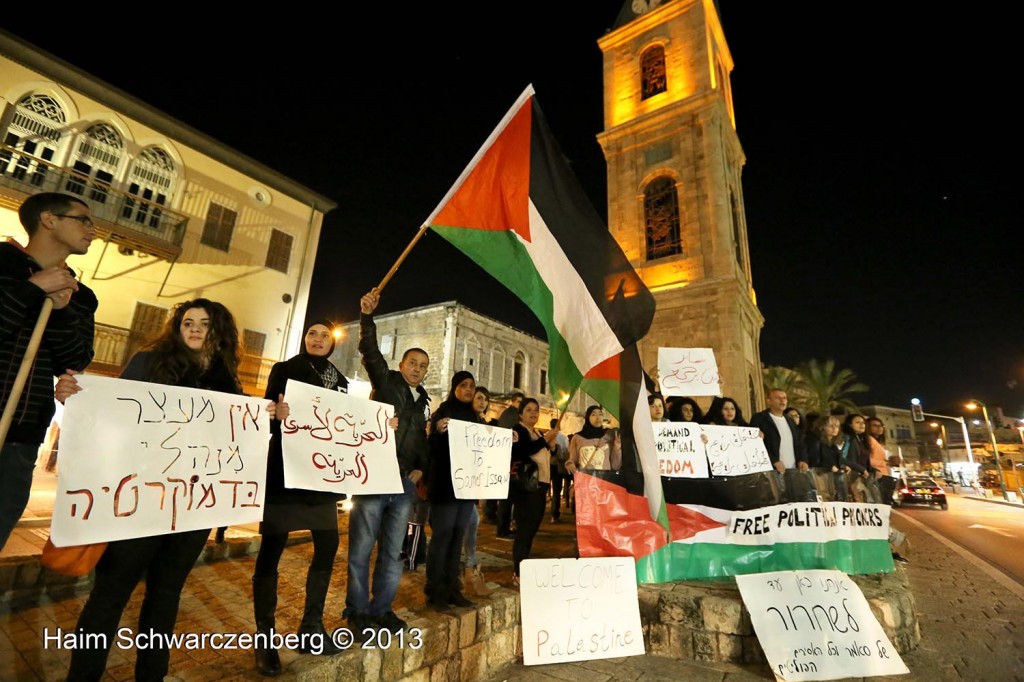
[(518, 211)]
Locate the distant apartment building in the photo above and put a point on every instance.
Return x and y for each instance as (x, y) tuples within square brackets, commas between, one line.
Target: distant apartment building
[(179, 215)]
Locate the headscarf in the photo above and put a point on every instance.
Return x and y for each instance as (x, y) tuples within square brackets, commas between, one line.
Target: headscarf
[(321, 364), (453, 407), (589, 431)]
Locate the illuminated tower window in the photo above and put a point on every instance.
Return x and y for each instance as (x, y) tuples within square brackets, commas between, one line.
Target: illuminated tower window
[(652, 72), (661, 219)]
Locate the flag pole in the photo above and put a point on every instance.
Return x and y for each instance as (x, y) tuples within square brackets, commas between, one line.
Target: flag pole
[(23, 371), (561, 413), (526, 94)]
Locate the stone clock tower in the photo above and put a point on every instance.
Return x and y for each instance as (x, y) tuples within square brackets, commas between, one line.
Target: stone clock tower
[(675, 199)]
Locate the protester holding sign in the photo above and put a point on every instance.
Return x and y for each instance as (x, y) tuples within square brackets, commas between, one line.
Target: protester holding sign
[(449, 516), (288, 509), (528, 505), (473, 579), (725, 412), (198, 348), (684, 410)]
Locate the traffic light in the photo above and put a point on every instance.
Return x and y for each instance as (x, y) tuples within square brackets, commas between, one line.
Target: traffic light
[(916, 411)]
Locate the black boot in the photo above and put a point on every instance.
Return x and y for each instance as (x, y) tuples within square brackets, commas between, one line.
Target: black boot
[(312, 623), (264, 603)]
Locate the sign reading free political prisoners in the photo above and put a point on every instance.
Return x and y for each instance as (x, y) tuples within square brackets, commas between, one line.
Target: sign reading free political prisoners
[(140, 459), (736, 450), (579, 609), (481, 460), (688, 372), (338, 443), (680, 450), (817, 625)]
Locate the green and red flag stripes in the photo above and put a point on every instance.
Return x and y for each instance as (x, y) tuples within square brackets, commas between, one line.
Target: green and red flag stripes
[(518, 212)]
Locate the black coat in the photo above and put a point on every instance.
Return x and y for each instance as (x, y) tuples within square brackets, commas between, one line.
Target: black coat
[(439, 473), (772, 439), (297, 368), (390, 387), (821, 455)]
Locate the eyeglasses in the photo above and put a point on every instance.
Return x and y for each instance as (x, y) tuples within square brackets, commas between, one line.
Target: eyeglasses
[(84, 219)]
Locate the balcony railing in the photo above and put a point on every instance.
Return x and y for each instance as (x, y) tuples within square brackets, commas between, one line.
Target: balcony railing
[(113, 347), (123, 218)]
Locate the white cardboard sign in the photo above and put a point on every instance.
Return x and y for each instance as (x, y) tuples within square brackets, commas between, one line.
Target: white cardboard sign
[(818, 522), (338, 443), (680, 450), (736, 450), (817, 625), (140, 459), (579, 609), (688, 372), (481, 460)]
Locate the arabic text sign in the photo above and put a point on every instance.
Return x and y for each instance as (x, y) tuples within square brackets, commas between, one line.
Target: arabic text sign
[(579, 609), (817, 625), (680, 450), (688, 372), (481, 460), (736, 450), (338, 443), (140, 459)]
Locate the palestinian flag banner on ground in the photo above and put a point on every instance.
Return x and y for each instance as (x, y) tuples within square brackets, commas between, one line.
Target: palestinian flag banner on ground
[(714, 543), (518, 211)]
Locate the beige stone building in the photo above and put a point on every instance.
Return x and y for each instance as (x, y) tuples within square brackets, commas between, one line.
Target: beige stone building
[(675, 199), (178, 214), (501, 357)]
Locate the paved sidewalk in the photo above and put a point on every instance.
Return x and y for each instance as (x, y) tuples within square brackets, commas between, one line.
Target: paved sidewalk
[(972, 624)]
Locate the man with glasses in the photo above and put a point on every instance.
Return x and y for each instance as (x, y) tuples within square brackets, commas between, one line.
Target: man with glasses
[(58, 226)]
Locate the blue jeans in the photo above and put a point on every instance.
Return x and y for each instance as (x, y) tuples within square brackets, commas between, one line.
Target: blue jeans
[(386, 516), (469, 543), (17, 460)]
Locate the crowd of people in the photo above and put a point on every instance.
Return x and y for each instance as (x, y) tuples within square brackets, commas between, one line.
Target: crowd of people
[(199, 348)]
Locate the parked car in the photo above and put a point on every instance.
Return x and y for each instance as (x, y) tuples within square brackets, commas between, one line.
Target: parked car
[(919, 490)]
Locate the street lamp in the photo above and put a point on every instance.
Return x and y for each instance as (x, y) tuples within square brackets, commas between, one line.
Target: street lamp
[(943, 444), (973, 405)]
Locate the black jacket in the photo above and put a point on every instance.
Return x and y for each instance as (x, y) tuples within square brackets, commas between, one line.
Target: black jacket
[(772, 439), (67, 342), (215, 378), (297, 368), (389, 387), (821, 455)]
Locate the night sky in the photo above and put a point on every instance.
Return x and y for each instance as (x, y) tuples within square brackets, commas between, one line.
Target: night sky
[(877, 183)]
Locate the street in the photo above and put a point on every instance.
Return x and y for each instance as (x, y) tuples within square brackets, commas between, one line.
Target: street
[(993, 532)]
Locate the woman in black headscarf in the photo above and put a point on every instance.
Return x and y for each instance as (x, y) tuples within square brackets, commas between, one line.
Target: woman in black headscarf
[(288, 509), (449, 516)]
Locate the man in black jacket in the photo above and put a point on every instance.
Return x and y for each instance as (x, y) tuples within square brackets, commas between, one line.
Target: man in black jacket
[(386, 516), (58, 226), (782, 438)]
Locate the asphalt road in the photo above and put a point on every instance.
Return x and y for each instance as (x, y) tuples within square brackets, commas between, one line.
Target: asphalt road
[(993, 532)]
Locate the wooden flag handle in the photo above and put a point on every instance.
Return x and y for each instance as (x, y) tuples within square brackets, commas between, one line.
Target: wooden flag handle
[(26, 366), (401, 259)]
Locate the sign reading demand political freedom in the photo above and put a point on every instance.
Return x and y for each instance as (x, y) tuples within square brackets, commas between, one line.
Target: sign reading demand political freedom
[(817, 625), (140, 459), (579, 609), (481, 460), (680, 450), (688, 372), (338, 443)]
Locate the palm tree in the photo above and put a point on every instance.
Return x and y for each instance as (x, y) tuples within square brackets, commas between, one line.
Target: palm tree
[(777, 376), (822, 388)]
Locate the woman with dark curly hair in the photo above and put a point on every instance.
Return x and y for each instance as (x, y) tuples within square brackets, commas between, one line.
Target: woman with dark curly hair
[(725, 412), (684, 410), (198, 348)]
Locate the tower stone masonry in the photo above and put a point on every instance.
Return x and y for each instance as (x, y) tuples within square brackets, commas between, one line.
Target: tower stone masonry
[(675, 199)]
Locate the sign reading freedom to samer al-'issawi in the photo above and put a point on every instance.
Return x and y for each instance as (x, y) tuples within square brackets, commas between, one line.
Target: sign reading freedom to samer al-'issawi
[(140, 459), (579, 609), (481, 459), (338, 443)]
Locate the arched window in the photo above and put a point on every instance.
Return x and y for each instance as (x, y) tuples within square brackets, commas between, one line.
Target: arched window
[(661, 219), (519, 372), (151, 179), (737, 233), (753, 395), (496, 379), (653, 80), (96, 161), (34, 134)]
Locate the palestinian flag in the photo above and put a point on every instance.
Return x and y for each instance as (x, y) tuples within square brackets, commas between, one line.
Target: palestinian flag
[(519, 212)]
